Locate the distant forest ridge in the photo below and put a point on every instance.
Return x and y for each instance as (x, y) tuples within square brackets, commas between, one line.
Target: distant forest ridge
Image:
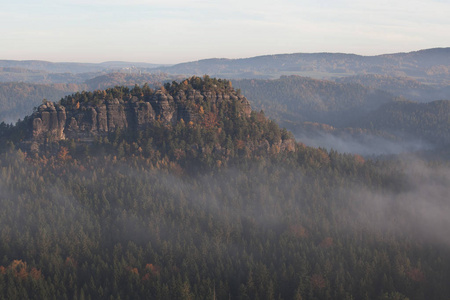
[(431, 63), (72, 67), (428, 66)]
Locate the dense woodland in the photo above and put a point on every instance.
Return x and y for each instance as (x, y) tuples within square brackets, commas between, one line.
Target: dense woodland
[(18, 99), (430, 121), (273, 228), (406, 87), (292, 100), (224, 207)]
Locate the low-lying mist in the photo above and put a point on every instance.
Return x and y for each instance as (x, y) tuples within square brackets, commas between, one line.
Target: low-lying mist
[(275, 195), (366, 145), (324, 223), (419, 209)]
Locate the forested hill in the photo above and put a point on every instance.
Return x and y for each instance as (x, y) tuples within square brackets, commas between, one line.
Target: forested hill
[(292, 100), (429, 121), (185, 193), (88, 114), (406, 87), (197, 118)]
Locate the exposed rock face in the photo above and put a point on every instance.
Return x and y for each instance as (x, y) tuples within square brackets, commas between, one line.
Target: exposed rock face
[(51, 121), (164, 106), (143, 113), (58, 122)]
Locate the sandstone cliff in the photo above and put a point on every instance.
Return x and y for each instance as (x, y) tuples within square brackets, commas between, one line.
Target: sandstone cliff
[(101, 113)]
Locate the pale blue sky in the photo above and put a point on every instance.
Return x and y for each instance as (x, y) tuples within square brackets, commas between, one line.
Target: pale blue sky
[(175, 31)]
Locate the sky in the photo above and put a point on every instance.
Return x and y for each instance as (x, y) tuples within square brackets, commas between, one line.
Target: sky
[(174, 31)]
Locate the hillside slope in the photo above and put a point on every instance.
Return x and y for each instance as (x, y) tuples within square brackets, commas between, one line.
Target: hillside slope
[(406, 87), (429, 121), (293, 99)]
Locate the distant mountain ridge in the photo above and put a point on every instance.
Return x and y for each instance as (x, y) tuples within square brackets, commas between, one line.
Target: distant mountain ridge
[(431, 63), (72, 67)]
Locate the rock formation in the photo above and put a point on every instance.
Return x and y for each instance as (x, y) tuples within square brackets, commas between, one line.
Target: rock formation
[(90, 119), (49, 120)]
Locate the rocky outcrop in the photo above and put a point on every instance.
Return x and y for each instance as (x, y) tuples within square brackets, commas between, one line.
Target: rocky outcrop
[(49, 121), (86, 120), (143, 114), (164, 106), (55, 122)]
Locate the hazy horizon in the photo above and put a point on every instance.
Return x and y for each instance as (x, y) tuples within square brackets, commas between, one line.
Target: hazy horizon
[(158, 32), (207, 58)]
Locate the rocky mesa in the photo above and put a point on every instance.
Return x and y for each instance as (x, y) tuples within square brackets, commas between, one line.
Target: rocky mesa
[(88, 114)]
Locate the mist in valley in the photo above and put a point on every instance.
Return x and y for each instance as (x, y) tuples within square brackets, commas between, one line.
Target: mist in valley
[(268, 197), (367, 144), (236, 223), (418, 207)]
